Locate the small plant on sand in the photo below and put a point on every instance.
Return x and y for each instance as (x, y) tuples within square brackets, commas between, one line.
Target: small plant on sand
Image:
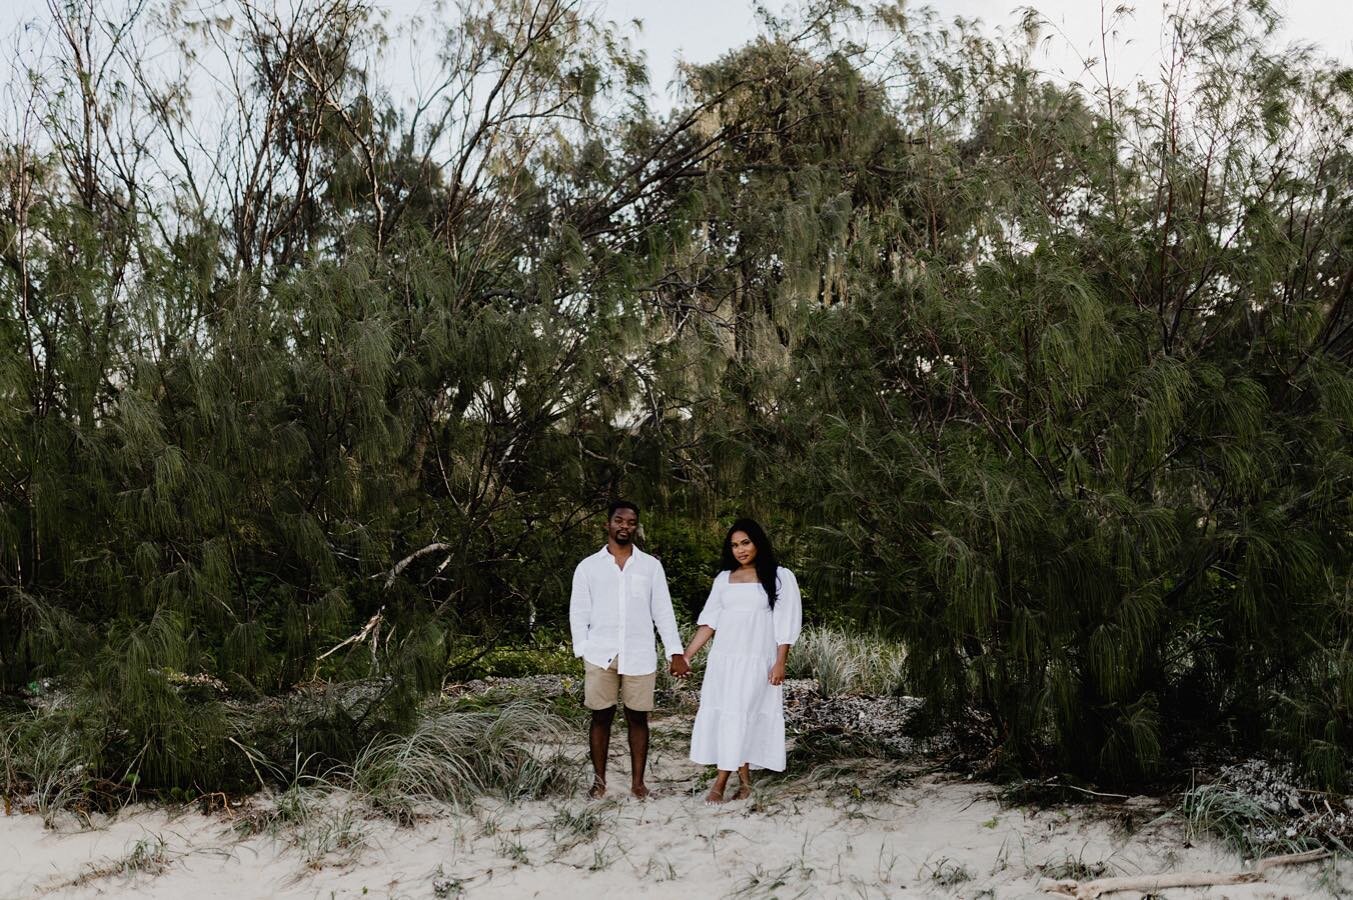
[(600, 861), (1076, 868), (445, 887), (762, 883), (489, 825), (660, 869), (330, 826), (513, 850), (146, 855), (572, 827), (947, 873)]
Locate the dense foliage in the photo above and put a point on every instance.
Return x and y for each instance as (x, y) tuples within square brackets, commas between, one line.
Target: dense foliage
[(313, 384)]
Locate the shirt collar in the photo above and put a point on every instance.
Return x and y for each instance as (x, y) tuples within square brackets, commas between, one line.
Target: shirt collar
[(605, 552)]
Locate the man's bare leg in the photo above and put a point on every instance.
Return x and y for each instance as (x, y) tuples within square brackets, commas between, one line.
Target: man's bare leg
[(599, 738), (638, 734)]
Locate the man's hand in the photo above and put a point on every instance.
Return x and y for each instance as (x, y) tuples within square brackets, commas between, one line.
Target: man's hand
[(777, 673), (679, 667)]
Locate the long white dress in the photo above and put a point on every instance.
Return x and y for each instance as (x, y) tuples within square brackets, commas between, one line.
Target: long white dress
[(742, 715)]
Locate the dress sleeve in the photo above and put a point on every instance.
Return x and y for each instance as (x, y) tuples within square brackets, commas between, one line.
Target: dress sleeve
[(788, 613), (714, 605)]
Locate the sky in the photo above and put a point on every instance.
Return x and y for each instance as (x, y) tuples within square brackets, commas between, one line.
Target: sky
[(701, 30)]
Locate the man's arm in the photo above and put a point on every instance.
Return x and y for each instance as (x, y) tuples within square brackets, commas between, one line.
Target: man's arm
[(579, 610), (664, 617)]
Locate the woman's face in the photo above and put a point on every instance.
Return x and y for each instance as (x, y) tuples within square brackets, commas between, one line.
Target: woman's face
[(744, 551)]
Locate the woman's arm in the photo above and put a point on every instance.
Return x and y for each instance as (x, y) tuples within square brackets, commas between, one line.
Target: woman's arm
[(708, 620), (701, 637), (777, 671)]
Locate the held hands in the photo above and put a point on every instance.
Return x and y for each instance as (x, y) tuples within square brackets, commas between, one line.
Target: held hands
[(679, 667), (777, 673)]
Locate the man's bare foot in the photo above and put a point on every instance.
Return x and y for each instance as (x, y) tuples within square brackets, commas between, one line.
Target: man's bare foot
[(714, 796), (641, 792), (597, 791), (744, 791)]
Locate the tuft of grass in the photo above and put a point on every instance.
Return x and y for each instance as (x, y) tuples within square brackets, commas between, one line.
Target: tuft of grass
[(146, 855), (46, 767), (445, 887), (660, 870), (947, 873), (572, 827), (513, 850), (315, 816), (1240, 821), (764, 883), (1074, 867), (600, 861), (825, 656), (514, 661), (842, 662), (454, 755)]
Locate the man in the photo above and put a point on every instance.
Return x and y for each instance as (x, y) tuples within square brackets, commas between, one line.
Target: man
[(619, 594)]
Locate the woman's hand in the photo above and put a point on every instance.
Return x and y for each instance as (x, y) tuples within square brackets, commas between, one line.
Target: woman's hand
[(777, 673)]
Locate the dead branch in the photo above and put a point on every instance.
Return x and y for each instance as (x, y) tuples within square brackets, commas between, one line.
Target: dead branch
[(372, 626), (404, 563), (1153, 883)]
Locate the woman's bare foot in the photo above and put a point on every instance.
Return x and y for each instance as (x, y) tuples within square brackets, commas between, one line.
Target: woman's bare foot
[(598, 790), (714, 796), (640, 791), (744, 791)]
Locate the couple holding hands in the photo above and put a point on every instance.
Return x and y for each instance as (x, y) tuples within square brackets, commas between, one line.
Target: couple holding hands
[(620, 595)]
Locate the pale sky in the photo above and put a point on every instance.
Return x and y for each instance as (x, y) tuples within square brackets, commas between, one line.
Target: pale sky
[(700, 30)]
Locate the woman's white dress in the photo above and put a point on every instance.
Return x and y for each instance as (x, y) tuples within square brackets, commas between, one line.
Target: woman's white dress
[(742, 715)]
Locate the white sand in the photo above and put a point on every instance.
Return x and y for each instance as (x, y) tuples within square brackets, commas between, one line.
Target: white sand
[(930, 835)]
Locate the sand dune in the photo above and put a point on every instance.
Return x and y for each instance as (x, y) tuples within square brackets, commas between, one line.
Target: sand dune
[(888, 831)]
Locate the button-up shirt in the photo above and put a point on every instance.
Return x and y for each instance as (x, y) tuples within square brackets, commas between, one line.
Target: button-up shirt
[(613, 611)]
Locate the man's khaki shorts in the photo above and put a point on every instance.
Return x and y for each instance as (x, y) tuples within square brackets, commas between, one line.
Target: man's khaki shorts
[(602, 688)]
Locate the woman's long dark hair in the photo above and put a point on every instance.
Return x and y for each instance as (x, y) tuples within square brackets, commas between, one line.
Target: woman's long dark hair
[(765, 562)]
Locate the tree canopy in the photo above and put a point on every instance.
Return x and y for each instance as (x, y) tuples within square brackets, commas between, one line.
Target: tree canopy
[(1050, 381)]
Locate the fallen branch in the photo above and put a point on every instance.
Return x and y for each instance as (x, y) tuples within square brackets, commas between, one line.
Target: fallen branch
[(372, 624), (1053, 782), (404, 563), (1152, 883)]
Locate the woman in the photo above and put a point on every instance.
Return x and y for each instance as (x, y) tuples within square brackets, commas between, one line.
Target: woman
[(755, 609)]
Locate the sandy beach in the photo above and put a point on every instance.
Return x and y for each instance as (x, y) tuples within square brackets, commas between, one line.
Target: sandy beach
[(887, 829)]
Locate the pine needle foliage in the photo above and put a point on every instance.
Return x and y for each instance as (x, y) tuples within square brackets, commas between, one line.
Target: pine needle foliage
[(1080, 433), (1050, 382)]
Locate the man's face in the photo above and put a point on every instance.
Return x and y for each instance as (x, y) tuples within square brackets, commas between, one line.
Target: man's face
[(622, 526)]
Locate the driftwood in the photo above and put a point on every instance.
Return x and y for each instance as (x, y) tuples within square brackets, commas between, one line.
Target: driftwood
[(1150, 883)]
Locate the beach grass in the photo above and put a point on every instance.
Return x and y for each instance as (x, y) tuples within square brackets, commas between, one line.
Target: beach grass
[(844, 662)]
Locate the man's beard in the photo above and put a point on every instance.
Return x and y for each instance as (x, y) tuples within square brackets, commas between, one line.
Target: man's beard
[(622, 539)]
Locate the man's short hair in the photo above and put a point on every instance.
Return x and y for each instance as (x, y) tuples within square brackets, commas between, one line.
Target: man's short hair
[(620, 504)]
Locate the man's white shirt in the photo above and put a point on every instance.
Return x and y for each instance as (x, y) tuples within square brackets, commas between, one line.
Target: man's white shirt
[(612, 612)]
